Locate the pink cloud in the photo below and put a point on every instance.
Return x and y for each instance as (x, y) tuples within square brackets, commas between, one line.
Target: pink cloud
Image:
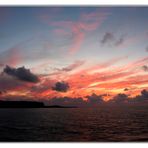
[(77, 39), (78, 28), (41, 67), (60, 32), (15, 57)]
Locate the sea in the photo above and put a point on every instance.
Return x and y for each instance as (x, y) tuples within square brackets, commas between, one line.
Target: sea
[(120, 123)]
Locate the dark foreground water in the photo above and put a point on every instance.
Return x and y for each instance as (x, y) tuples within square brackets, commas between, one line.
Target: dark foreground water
[(112, 123)]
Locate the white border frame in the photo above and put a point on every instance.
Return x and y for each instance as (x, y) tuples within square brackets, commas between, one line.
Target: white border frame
[(73, 3)]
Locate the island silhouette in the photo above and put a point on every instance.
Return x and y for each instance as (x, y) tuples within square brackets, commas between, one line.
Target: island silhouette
[(29, 104)]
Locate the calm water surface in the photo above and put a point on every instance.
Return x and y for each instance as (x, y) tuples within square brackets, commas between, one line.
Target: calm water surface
[(103, 124)]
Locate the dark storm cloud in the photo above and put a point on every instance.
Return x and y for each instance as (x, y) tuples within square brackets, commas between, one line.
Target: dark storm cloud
[(145, 68), (21, 73), (110, 39), (95, 99), (61, 86)]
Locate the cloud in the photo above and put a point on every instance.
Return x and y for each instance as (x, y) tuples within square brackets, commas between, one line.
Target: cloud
[(71, 67), (23, 51), (109, 79), (120, 98), (126, 89), (120, 41), (15, 54), (144, 93), (66, 69), (12, 56), (21, 73), (61, 86), (145, 68), (44, 86), (1, 65), (77, 101), (142, 97), (1, 92), (110, 39), (87, 22), (107, 63), (67, 101), (133, 65), (95, 99), (78, 39), (9, 83)]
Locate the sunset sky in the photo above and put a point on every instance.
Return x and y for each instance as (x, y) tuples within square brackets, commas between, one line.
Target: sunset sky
[(73, 52)]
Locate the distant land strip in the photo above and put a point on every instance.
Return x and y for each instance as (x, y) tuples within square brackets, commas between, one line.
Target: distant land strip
[(28, 104)]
